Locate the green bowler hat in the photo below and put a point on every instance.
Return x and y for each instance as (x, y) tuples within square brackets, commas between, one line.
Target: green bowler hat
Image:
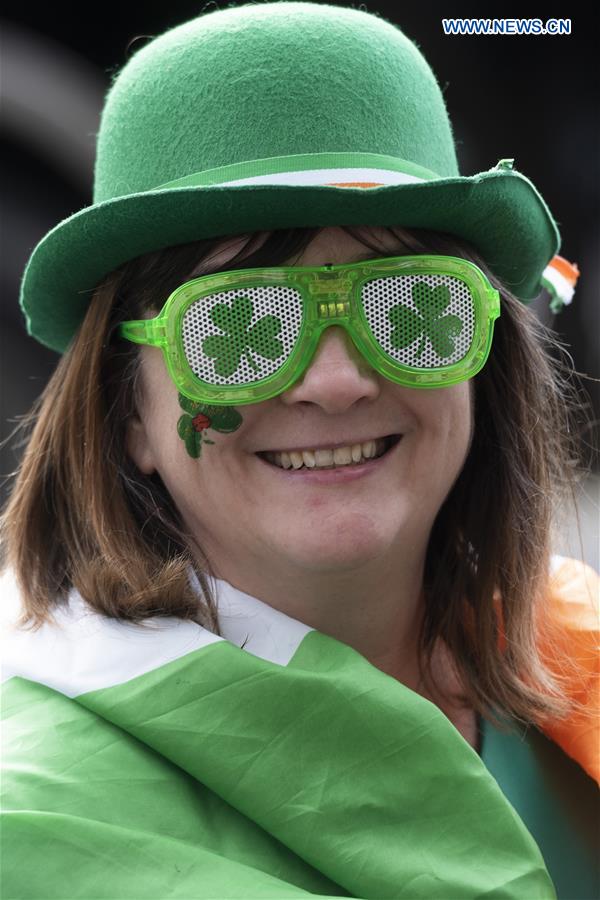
[(277, 115)]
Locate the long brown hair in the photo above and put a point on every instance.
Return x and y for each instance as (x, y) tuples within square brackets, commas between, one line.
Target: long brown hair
[(82, 515)]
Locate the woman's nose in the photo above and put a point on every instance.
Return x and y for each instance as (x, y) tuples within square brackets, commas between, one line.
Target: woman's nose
[(337, 375)]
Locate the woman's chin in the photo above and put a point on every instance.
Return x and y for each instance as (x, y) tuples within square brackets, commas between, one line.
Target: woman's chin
[(335, 540)]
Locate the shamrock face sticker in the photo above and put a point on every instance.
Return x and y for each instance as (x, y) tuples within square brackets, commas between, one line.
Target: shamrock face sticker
[(198, 418), (239, 338), (428, 323)]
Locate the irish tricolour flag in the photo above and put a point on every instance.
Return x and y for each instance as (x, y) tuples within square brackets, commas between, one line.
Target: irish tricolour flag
[(163, 761)]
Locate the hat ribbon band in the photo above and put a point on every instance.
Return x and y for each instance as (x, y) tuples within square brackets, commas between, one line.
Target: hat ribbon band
[(311, 169)]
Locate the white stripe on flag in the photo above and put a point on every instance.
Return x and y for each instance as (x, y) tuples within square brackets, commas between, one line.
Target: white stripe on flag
[(563, 288), (84, 651), (263, 630)]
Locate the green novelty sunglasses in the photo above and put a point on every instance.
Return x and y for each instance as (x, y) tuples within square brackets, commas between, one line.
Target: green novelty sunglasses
[(245, 336)]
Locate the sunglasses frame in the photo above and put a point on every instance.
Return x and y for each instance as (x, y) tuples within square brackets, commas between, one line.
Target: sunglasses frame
[(331, 295)]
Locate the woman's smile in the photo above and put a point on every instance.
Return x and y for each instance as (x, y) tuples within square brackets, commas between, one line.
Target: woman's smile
[(368, 460)]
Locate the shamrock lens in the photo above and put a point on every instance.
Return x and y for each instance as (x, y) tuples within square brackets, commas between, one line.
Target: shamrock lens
[(420, 321), (241, 336)]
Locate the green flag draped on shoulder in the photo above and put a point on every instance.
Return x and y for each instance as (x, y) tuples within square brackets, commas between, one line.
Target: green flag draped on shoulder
[(163, 761)]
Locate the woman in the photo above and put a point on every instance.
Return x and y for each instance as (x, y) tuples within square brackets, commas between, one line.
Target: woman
[(280, 540)]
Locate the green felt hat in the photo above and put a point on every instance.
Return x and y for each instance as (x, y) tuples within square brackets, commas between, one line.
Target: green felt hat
[(276, 115)]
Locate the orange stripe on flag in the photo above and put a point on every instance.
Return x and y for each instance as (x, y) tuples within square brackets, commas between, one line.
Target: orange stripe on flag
[(569, 646), (567, 270), (568, 641)]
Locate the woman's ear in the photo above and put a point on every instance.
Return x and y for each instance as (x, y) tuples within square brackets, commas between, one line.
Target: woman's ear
[(138, 446)]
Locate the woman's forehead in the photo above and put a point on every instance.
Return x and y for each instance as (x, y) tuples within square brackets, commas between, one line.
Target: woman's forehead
[(331, 240)]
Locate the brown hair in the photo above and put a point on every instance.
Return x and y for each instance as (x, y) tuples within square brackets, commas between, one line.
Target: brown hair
[(82, 515)]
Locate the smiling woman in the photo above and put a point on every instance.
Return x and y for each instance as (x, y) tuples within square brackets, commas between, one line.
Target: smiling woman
[(280, 543)]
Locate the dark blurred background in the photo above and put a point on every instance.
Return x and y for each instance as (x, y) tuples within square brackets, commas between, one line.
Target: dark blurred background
[(534, 98)]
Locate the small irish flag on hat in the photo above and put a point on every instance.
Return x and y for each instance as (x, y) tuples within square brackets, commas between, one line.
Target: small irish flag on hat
[(559, 279)]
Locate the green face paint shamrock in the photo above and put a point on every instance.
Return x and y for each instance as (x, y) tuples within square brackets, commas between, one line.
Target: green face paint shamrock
[(199, 417), (239, 339), (409, 325)]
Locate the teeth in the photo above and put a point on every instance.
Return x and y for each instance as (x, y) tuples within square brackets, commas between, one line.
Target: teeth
[(324, 457), (341, 456), (370, 449), (309, 458), (296, 459)]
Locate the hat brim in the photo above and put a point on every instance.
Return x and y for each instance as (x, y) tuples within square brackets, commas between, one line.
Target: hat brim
[(499, 212)]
